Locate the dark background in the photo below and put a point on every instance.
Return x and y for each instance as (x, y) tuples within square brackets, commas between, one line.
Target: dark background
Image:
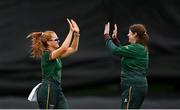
[(92, 71)]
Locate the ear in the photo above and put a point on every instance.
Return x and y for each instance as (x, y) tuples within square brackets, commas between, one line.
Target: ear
[(135, 34), (48, 43)]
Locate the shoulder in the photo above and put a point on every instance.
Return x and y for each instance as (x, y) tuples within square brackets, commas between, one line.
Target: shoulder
[(138, 46), (133, 47), (46, 55), (141, 49)]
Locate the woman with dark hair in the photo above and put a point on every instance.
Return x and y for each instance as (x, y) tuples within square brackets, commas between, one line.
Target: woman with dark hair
[(134, 62), (45, 45)]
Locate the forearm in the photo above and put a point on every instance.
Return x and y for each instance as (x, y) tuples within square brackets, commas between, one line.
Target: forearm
[(119, 50), (109, 43), (75, 42), (73, 48), (67, 41), (64, 47), (116, 41)]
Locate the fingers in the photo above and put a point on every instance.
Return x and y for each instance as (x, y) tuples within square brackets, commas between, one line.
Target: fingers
[(70, 25), (106, 29), (68, 21), (76, 28), (115, 27), (107, 25), (74, 23), (115, 31)]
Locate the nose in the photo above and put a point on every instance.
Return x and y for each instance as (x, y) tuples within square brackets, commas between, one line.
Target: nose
[(58, 42)]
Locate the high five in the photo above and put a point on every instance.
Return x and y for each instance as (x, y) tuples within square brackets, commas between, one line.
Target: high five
[(134, 62), (45, 45)]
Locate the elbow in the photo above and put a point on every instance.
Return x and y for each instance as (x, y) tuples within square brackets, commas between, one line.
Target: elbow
[(64, 49), (75, 50)]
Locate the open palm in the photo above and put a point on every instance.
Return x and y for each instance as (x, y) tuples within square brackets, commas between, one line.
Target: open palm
[(106, 29), (75, 26), (114, 35)]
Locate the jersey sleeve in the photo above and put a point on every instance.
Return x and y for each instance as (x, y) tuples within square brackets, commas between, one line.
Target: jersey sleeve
[(46, 56), (124, 51)]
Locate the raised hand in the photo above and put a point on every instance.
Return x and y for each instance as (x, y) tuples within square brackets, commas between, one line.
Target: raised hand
[(75, 26), (114, 35), (106, 29), (70, 25)]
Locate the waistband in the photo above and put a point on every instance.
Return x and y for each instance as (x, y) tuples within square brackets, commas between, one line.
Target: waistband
[(141, 82), (50, 81)]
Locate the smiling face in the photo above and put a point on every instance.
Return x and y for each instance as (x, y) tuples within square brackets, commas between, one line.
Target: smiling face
[(54, 42), (132, 37)]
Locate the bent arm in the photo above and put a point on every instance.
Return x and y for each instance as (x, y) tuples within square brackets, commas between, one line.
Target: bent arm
[(74, 46), (64, 47), (125, 51)]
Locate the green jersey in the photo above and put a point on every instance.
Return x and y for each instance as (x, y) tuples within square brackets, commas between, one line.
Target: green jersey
[(134, 62), (51, 69)]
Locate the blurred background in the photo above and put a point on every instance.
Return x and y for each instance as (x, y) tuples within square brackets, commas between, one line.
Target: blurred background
[(91, 77)]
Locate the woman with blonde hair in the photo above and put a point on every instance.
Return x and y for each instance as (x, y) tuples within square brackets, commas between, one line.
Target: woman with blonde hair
[(45, 45)]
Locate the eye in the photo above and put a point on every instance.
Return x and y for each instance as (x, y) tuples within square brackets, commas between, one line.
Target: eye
[(57, 39)]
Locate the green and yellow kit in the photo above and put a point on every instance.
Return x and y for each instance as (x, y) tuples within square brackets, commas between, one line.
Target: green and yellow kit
[(134, 62), (50, 95)]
